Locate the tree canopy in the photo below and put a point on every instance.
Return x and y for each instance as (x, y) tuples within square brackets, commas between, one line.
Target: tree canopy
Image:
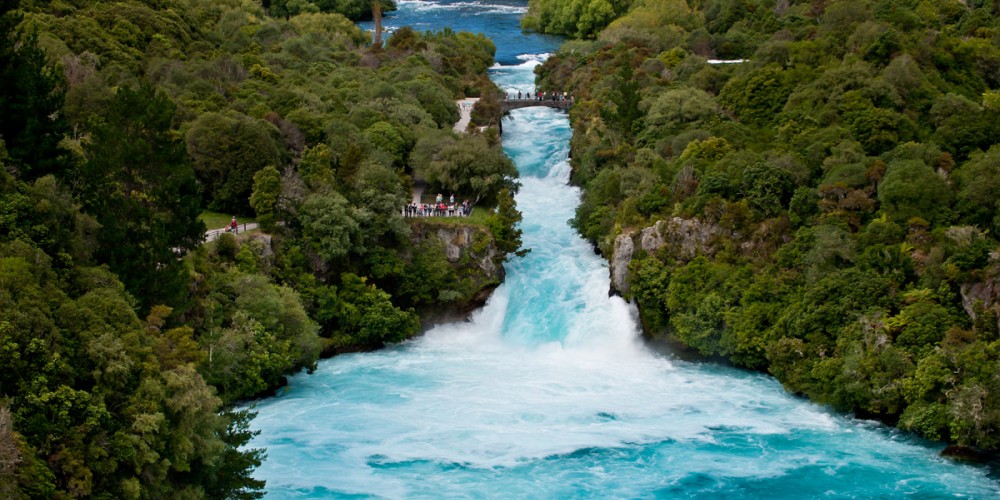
[(126, 338)]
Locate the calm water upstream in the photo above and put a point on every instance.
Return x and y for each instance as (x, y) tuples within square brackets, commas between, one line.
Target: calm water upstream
[(549, 393)]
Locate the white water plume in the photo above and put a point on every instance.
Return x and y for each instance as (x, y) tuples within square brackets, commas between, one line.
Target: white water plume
[(472, 8)]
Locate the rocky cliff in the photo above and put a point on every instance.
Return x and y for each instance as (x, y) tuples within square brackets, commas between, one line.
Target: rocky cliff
[(471, 251), (464, 245), (683, 238), (983, 295)]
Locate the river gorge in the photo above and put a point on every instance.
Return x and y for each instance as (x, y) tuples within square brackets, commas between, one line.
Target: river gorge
[(549, 392)]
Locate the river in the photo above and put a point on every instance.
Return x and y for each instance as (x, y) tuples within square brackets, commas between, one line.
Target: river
[(548, 392)]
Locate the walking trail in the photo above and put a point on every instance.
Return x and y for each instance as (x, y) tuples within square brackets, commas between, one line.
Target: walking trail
[(465, 106)]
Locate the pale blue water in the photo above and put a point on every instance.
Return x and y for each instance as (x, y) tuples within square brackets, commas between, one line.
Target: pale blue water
[(548, 393), (498, 19)]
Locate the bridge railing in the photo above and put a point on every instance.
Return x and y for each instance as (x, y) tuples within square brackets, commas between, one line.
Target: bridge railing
[(543, 98)]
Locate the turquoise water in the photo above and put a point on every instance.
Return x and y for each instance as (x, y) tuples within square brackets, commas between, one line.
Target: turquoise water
[(498, 19), (549, 393)]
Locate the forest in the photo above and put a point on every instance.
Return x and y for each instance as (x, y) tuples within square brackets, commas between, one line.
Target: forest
[(842, 175), (125, 339)]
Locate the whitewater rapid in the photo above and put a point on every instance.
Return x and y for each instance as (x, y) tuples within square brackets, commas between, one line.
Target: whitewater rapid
[(548, 391)]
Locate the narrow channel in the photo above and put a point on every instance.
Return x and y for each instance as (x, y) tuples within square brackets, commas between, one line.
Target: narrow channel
[(548, 392)]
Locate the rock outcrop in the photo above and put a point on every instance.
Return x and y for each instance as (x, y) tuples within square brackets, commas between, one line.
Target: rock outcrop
[(683, 238), (464, 244), (983, 295), (978, 294), (460, 241), (470, 249), (621, 256)]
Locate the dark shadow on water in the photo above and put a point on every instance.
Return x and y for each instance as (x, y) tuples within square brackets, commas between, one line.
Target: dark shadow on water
[(383, 462)]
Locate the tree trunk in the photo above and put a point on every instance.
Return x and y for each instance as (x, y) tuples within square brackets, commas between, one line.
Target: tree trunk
[(377, 17)]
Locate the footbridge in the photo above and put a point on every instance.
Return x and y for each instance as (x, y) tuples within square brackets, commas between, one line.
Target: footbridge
[(510, 104), (548, 102)]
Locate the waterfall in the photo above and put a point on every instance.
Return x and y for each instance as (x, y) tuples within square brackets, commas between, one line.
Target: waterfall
[(548, 392)]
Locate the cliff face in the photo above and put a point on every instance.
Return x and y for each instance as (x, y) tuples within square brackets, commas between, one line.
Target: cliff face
[(983, 296), (471, 251), (684, 239), (620, 258), (467, 246)]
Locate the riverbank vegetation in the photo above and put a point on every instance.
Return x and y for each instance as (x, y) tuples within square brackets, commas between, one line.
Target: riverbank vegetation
[(125, 342), (355, 10), (827, 208)]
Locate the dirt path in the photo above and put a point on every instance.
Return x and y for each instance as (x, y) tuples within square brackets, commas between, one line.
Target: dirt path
[(419, 187), (465, 107)]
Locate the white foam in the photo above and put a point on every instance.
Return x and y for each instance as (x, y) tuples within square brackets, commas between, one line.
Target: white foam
[(478, 8), (527, 65), (534, 57)]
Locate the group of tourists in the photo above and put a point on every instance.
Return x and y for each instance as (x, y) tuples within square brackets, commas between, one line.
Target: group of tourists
[(439, 208), (540, 96)]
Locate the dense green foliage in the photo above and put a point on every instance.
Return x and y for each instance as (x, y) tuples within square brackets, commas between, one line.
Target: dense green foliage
[(576, 18), (355, 10), (140, 187), (102, 402), (842, 183), (122, 121), (474, 167), (504, 223), (32, 93)]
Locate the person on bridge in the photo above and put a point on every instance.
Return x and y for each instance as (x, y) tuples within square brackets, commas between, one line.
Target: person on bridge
[(518, 95)]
